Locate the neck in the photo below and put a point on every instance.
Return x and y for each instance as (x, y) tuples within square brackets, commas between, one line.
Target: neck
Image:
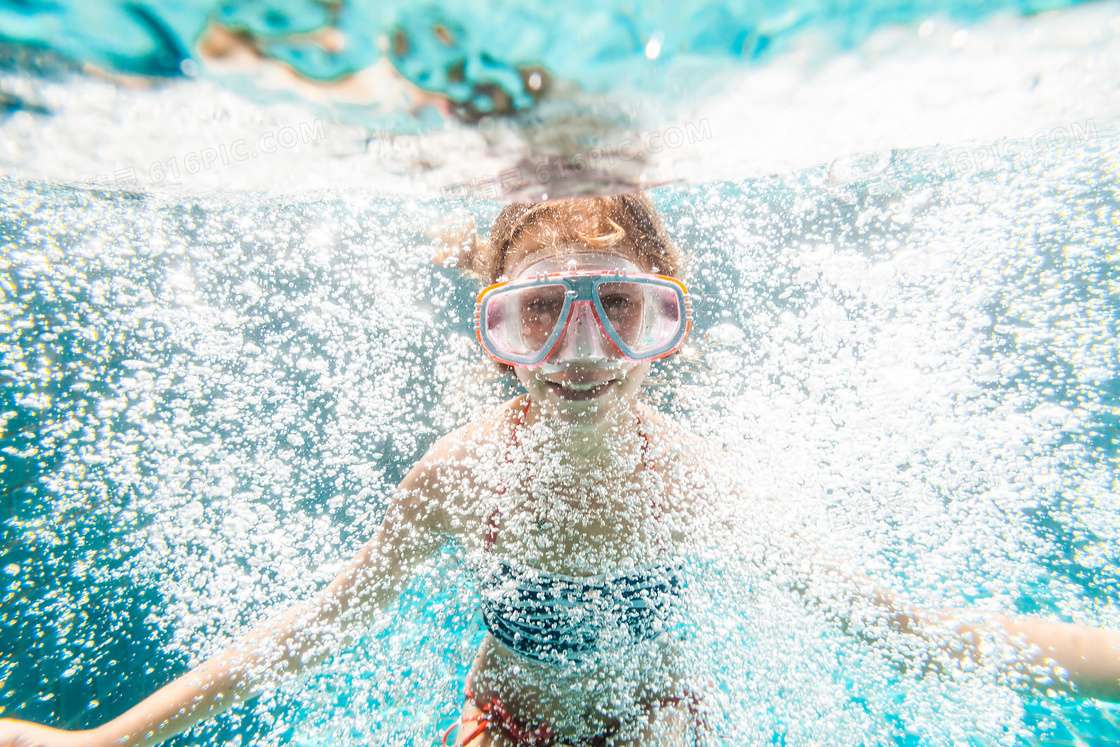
[(593, 439)]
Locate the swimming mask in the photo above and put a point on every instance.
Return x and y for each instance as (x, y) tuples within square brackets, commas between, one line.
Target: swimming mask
[(592, 308)]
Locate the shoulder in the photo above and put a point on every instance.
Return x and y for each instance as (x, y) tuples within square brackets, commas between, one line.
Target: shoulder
[(475, 439), (705, 482), (459, 463), (677, 445), (687, 462)]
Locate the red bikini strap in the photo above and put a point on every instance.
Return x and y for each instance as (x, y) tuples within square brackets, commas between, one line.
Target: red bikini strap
[(494, 713), (491, 532), (651, 465), (513, 432), (492, 528)]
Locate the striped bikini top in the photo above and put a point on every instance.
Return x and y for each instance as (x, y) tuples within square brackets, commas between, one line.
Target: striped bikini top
[(558, 619)]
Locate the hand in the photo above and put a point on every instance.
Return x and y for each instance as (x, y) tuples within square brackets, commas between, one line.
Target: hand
[(26, 734)]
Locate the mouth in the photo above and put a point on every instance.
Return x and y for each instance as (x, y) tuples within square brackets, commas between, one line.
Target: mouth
[(580, 391)]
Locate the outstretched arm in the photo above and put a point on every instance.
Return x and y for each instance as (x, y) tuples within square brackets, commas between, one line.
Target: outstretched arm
[(1062, 657), (300, 636), (1026, 652)]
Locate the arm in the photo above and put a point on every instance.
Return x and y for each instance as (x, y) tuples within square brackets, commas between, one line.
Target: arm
[(1026, 652), (1039, 654), (305, 634)]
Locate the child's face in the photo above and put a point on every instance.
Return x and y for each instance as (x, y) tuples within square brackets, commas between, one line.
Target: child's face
[(574, 389)]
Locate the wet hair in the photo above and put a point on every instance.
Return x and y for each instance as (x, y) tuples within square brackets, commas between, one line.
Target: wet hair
[(622, 223), (619, 223)]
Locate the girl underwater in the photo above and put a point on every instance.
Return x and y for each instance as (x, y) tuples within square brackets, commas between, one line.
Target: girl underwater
[(584, 512)]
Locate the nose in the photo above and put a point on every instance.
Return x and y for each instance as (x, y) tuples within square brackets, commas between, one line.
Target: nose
[(583, 339)]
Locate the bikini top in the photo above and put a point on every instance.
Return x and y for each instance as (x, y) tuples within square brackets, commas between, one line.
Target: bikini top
[(555, 618)]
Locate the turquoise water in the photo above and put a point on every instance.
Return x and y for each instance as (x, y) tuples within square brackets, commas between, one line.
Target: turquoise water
[(207, 393), (602, 47)]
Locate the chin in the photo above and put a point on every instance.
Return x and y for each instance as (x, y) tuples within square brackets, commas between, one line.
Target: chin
[(577, 414)]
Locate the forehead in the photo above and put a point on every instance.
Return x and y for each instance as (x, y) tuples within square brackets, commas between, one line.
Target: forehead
[(528, 252)]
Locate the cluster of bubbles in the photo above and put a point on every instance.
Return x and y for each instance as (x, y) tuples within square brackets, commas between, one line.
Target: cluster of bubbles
[(210, 399)]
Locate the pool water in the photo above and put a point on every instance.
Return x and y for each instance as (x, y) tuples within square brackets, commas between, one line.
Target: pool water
[(208, 394)]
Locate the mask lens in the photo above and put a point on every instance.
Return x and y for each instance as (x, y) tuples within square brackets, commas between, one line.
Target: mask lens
[(623, 304), (521, 321), (645, 316)]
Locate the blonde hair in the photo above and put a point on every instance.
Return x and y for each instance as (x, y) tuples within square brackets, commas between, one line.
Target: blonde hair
[(628, 222)]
